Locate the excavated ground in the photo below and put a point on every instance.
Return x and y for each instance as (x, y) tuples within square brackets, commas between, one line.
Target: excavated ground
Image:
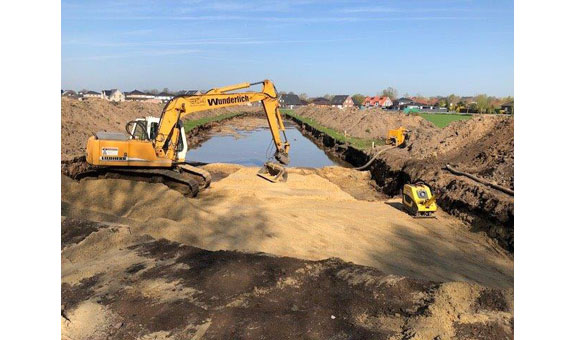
[(140, 261), (482, 146), (134, 264)]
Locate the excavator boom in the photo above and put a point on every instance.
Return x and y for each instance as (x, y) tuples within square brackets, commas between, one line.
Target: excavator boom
[(181, 106)]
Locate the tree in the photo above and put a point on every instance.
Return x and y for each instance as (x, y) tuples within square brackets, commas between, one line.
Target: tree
[(328, 96), (358, 99), (482, 103), (452, 101), (166, 90), (303, 96), (390, 92)]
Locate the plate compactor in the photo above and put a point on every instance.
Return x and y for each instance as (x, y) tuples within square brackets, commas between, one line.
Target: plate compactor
[(418, 200)]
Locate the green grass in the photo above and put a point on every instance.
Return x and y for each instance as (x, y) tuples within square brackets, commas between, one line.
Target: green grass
[(441, 120), (190, 124), (359, 143)]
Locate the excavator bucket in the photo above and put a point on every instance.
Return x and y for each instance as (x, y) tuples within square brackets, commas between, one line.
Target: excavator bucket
[(273, 172)]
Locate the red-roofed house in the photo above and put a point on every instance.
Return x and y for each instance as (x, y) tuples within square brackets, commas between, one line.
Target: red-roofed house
[(377, 101)]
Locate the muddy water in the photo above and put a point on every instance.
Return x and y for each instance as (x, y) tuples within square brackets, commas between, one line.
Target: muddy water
[(254, 148)]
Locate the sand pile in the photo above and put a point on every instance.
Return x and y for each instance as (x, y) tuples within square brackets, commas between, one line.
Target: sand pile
[(308, 217), (82, 119)]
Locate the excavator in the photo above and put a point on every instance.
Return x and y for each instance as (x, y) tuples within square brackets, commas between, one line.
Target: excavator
[(154, 149)]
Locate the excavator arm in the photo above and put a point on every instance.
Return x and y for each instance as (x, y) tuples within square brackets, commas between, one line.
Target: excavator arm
[(166, 140)]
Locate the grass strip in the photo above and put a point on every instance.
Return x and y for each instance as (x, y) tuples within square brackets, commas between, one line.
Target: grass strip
[(442, 120), (359, 143), (190, 124)]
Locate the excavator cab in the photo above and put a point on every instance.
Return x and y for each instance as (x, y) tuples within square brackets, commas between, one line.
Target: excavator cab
[(147, 128)]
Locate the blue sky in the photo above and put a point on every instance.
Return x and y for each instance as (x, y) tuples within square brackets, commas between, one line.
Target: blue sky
[(427, 47)]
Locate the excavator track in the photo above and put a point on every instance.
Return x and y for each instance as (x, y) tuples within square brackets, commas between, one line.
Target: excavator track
[(182, 182), (204, 174)]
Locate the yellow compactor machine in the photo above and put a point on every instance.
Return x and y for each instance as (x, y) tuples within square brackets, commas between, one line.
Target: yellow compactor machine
[(418, 199), (397, 137)]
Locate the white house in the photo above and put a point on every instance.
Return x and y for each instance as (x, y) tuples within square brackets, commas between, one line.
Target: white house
[(164, 96), (342, 101), (92, 94), (139, 96), (113, 95)]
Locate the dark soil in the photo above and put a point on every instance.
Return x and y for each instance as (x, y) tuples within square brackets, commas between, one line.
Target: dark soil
[(482, 331), (256, 296)]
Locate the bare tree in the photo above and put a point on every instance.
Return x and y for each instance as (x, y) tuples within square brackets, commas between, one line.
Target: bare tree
[(389, 92), (358, 99)]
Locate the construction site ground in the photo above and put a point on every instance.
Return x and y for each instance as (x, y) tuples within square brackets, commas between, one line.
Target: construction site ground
[(324, 255)]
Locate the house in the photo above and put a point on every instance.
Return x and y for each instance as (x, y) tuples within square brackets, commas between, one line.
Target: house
[(139, 96), (113, 95), (164, 96), (377, 101), (507, 108), (320, 101), (92, 94), (69, 93), (290, 101), (342, 101), (401, 103)]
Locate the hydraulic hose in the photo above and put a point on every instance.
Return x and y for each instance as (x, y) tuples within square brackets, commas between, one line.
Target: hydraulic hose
[(373, 158)]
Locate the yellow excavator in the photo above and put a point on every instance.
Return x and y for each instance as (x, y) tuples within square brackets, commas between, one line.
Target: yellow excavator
[(154, 149)]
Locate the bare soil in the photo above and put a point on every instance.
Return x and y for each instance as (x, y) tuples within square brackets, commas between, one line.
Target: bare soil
[(482, 146), (249, 259)]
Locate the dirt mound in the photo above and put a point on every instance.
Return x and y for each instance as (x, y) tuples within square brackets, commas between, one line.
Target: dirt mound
[(82, 119), (369, 123), (119, 285), (482, 145)]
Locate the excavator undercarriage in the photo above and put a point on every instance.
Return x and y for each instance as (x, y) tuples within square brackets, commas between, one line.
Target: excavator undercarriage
[(187, 179)]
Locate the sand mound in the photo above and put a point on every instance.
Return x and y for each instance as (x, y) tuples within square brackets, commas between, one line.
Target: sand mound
[(312, 216)]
